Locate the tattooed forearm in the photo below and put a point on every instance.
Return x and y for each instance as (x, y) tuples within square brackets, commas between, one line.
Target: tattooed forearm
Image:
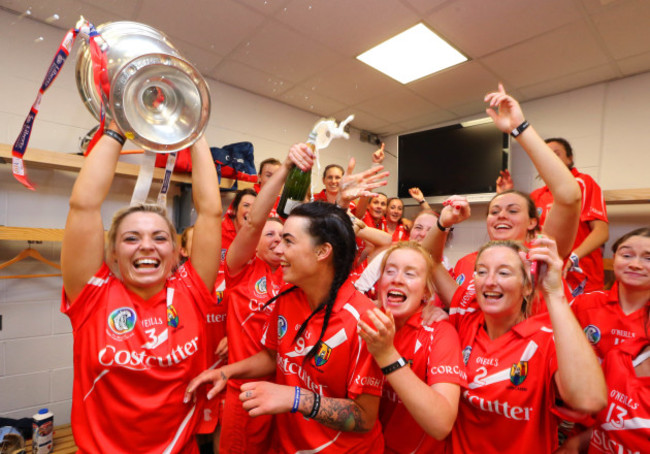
[(340, 414)]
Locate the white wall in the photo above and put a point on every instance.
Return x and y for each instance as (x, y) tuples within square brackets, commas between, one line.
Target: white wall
[(36, 340)]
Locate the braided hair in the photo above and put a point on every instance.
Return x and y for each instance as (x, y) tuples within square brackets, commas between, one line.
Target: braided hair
[(328, 224)]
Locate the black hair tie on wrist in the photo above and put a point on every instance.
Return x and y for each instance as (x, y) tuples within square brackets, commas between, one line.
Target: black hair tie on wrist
[(115, 136)]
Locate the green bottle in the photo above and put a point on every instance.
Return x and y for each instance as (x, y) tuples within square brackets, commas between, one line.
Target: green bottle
[(296, 186)]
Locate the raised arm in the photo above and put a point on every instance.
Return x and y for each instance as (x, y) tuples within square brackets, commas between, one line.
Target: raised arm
[(416, 193), (455, 210), (245, 243), (562, 220), (206, 249), (82, 251), (579, 377)]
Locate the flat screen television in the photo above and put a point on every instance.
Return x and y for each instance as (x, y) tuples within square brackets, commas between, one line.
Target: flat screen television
[(456, 159)]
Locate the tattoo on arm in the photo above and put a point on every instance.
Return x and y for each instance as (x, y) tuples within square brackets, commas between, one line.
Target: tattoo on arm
[(223, 376), (341, 414)]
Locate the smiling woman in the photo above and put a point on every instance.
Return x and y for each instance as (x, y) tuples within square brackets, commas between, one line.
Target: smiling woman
[(518, 365), (138, 320), (420, 402), (322, 368)]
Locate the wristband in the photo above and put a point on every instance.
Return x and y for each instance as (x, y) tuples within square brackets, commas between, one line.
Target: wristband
[(296, 400), (440, 227), (421, 201), (519, 129), (316, 407), (393, 367), (115, 136)]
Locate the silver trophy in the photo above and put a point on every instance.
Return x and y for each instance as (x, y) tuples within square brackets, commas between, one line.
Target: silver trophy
[(159, 100)]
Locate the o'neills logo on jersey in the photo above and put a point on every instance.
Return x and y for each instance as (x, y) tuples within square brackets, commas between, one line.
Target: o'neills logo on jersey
[(288, 367), (518, 372), (260, 287), (282, 327), (499, 408), (142, 360), (122, 320), (460, 279), (593, 334)]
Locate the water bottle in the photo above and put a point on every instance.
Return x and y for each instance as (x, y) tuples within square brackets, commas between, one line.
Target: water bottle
[(296, 186), (42, 432)]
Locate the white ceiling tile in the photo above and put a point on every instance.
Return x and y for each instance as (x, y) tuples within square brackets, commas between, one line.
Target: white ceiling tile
[(425, 6), (69, 11), (349, 26), (569, 82), (218, 25), (428, 121), (624, 28), (251, 79), (567, 50), (461, 84), (472, 108), (397, 106), (363, 120), (280, 51), (312, 102), (479, 28), (203, 60), (266, 7), (634, 65), (352, 81)]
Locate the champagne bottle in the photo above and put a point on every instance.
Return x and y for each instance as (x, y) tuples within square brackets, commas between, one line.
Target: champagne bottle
[(296, 186)]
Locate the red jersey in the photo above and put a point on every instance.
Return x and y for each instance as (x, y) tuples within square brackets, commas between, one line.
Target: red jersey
[(320, 196), (372, 222), (434, 354), (624, 425), (604, 322), (342, 368), (400, 233), (464, 274), (506, 406), (247, 293), (132, 362), (216, 324), (593, 208)]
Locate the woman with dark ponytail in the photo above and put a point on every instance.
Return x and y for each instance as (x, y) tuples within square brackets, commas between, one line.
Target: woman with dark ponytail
[(323, 369)]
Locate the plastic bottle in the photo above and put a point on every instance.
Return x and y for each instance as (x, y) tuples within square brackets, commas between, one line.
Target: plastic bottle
[(42, 432)]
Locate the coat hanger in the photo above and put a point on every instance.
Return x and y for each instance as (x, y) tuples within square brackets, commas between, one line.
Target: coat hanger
[(27, 253)]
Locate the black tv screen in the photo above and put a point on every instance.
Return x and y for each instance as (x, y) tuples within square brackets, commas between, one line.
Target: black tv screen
[(452, 160)]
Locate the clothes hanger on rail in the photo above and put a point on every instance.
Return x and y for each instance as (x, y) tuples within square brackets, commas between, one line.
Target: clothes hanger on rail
[(30, 253)]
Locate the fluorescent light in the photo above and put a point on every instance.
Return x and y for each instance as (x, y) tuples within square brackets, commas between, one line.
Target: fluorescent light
[(414, 53), (478, 121)]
